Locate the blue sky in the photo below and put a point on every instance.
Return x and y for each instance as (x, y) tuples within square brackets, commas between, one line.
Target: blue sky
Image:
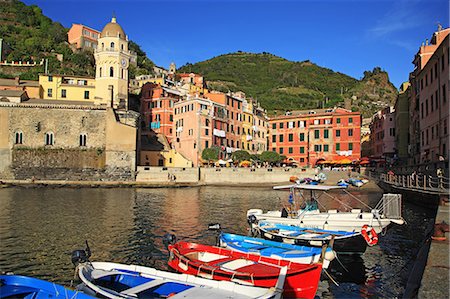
[(345, 36)]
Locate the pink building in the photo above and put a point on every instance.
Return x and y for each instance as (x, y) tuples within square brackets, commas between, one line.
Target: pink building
[(83, 37), (199, 124), (382, 133)]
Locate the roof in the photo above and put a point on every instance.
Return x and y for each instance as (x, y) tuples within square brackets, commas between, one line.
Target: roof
[(13, 82), (12, 93), (112, 29)]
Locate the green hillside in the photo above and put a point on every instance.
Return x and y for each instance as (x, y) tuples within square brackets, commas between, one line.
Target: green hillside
[(31, 36), (279, 84)]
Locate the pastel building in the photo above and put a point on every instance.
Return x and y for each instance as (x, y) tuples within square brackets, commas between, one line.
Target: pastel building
[(32, 88), (194, 119), (383, 133), (248, 131), (429, 108), (70, 88), (260, 128), (401, 109), (308, 137), (83, 37)]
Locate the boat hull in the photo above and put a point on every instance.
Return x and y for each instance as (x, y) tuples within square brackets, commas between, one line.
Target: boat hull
[(303, 254), (344, 221), (223, 264), (17, 286)]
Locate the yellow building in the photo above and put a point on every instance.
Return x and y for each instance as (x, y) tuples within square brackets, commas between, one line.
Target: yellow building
[(60, 87), (247, 126)]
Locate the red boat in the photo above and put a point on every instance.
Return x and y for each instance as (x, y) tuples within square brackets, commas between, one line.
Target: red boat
[(223, 264)]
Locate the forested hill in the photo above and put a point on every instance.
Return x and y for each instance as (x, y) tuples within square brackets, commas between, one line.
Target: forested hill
[(31, 36), (279, 84)]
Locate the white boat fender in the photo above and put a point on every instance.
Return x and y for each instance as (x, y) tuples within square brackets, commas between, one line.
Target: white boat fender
[(330, 255)]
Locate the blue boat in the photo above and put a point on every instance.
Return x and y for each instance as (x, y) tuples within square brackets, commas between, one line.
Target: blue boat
[(17, 286), (277, 250), (343, 241)]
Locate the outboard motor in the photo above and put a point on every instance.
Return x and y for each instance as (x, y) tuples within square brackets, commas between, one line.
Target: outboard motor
[(251, 219), (81, 255), (216, 227), (169, 239)]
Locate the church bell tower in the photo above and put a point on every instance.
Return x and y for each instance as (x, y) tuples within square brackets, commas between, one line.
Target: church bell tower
[(112, 59)]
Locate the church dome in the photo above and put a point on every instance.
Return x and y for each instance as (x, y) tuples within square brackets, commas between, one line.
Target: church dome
[(112, 29)]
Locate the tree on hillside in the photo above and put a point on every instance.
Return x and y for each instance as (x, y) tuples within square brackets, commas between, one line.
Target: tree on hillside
[(239, 156)]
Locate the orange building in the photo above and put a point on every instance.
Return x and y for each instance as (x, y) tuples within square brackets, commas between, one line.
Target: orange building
[(83, 37), (312, 136), (157, 104)]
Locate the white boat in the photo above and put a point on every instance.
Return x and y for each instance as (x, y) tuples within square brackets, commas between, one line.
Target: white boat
[(387, 211), (112, 280)]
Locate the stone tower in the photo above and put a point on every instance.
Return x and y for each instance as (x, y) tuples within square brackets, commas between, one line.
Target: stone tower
[(112, 59), (172, 68)]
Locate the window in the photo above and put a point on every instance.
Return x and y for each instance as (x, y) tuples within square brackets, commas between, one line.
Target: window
[(18, 137), (291, 124), (281, 138), (82, 139), (274, 138), (350, 120), (316, 134), (63, 93), (302, 150), (302, 136), (350, 132), (290, 150), (49, 138), (237, 144), (316, 121), (338, 120), (338, 133), (121, 74), (421, 110), (302, 159), (281, 125), (325, 133), (111, 72), (274, 126), (317, 147), (171, 117), (86, 94), (50, 92), (112, 45), (444, 93), (206, 144), (338, 146), (291, 137), (206, 132), (50, 78), (325, 147), (281, 150), (426, 107)]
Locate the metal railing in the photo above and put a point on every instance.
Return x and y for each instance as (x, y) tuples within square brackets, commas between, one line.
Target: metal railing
[(419, 182)]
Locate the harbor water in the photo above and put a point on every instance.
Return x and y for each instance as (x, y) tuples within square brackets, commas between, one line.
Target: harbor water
[(39, 228)]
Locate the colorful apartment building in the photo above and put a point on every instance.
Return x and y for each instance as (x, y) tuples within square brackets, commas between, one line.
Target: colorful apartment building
[(70, 88), (83, 37), (382, 134), (248, 131), (157, 107), (430, 101), (194, 131), (193, 83), (260, 128), (308, 137)]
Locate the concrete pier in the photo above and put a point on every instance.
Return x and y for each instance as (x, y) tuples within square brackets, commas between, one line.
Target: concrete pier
[(435, 280)]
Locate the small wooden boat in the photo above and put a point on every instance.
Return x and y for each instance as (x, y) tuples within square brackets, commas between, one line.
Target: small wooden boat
[(112, 280), (17, 286), (224, 264), (343, 241), (277, 250)]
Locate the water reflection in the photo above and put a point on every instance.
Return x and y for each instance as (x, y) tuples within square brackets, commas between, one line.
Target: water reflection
[(40, 227)]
